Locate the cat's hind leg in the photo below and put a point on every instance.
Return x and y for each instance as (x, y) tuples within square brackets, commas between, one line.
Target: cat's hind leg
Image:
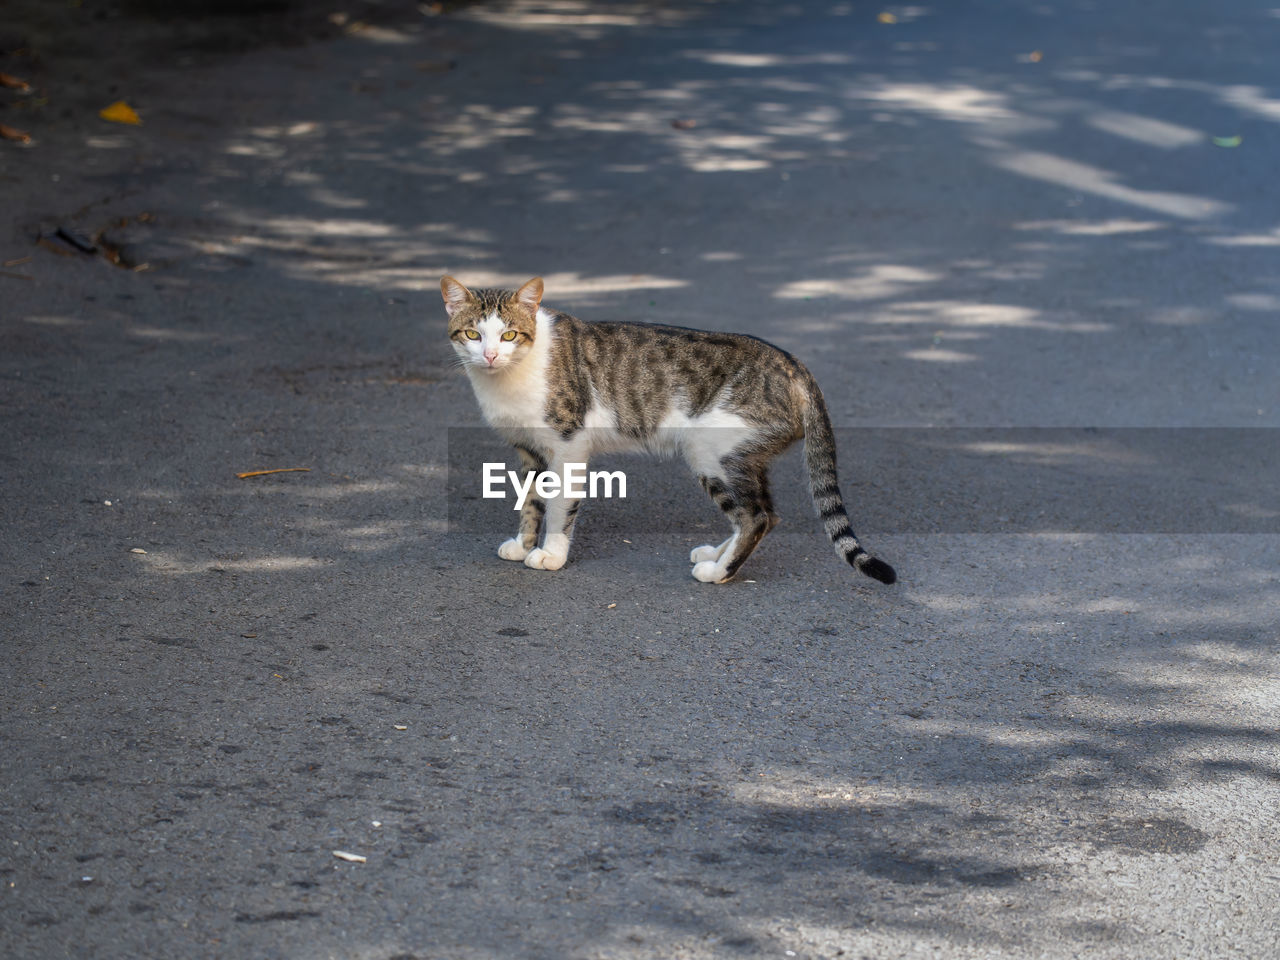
[(744, 498), (531, 513), (708, 552), (719, 492)]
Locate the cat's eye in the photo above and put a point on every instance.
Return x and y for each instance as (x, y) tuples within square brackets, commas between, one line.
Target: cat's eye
[(508, 335), (473, 334)]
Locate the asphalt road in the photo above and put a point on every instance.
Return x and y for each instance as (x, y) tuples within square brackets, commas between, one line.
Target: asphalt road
[(1055, 737)]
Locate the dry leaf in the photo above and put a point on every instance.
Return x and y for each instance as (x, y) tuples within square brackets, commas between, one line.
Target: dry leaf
[(263, 473), (13, 83), (120, 112), (13, 133), (684, 124), (350, 857), (1228, 141), (887, 17), (61, 249)]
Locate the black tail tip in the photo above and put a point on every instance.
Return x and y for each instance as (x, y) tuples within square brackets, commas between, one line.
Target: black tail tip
[(875, 569)]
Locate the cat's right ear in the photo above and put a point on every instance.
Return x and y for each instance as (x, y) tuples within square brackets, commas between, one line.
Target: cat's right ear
[(456, 296)]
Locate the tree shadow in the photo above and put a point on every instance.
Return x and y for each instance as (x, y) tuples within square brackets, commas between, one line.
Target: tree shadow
[(947, 231)]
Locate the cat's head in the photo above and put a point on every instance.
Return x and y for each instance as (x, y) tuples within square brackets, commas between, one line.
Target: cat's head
[(491, 329)]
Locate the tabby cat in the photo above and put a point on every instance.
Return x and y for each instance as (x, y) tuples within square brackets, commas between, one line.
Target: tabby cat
[(561, 389)]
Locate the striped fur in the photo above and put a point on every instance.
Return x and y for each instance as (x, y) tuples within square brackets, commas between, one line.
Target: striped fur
[(820, 457), (561, 389)]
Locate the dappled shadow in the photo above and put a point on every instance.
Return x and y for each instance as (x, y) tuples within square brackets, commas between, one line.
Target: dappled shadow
[(763, 148), (947, 230)]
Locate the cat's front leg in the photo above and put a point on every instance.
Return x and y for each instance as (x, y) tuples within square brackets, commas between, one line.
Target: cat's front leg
[(562, 511), (531, 512)]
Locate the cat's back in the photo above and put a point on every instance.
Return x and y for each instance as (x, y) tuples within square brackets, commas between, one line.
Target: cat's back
[(667, 349), (674, 341), (641, 370)]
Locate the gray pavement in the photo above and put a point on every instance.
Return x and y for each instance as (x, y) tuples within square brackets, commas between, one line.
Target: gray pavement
[(1054, 742)]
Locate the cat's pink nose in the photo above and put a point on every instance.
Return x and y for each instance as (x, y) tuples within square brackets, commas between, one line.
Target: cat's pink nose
[(490, 357)]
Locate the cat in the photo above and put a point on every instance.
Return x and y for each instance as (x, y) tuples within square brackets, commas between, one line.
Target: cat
[(561, 389)]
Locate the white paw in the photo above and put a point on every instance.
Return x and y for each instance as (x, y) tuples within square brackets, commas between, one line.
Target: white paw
[(513, 549), (540, 559), (709, 571), (707, 552)]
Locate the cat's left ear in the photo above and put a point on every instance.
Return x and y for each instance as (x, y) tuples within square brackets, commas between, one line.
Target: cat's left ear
[(530, 295), (456, 296)]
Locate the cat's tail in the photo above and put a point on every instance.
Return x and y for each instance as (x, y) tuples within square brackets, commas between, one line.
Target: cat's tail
[(820, 456)]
